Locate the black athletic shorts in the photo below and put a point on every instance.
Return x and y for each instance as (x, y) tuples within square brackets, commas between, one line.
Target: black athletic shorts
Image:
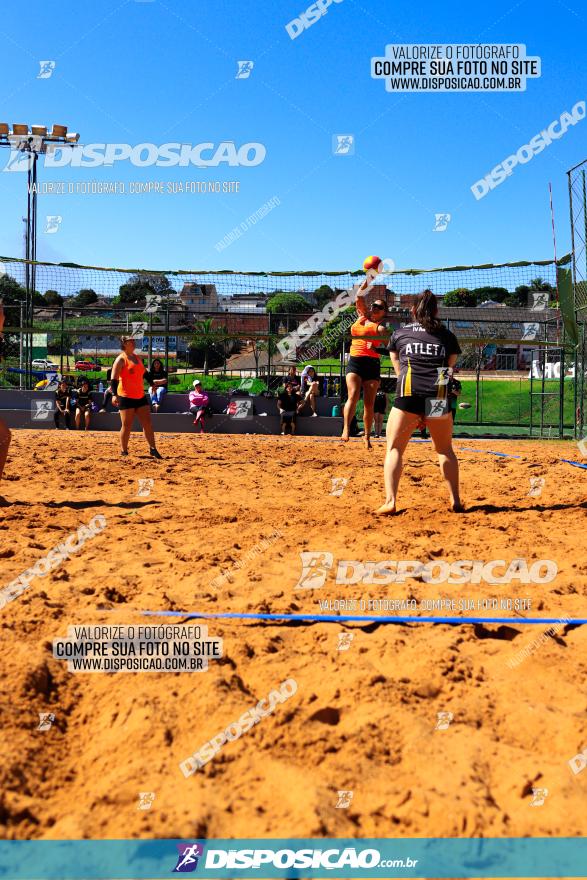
[(133, 402), (414, 404), (366, 367)]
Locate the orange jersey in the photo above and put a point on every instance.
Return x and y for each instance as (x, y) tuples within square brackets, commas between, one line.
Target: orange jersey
[(362, 345), (130, 381)]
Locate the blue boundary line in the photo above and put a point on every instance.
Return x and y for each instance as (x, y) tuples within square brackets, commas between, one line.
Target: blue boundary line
[(366, 618), (509, 455)]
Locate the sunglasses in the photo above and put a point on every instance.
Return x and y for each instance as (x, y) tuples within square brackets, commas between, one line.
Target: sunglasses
[(378, 306)]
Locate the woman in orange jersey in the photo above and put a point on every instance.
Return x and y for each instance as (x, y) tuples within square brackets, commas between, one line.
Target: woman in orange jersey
[(363, 370), (128, 394)]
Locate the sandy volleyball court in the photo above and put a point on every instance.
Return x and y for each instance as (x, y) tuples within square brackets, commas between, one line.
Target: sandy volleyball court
[(363, 720)]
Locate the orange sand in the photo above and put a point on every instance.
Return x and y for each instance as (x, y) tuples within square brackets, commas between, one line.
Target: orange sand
[(363, 719)]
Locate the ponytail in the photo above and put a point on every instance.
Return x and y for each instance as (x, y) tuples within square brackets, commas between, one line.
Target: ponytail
[(425, 310)]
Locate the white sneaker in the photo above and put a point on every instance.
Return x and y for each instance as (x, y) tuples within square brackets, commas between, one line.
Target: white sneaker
[(314, 415)]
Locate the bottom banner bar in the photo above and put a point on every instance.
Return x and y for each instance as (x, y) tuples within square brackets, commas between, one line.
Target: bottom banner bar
[(289, 858)]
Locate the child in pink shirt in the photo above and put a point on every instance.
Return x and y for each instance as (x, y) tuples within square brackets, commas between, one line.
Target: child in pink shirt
[(198, 403)]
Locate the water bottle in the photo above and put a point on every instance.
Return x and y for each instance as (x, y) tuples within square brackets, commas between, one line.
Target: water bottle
[(101, 387), (325, 386)]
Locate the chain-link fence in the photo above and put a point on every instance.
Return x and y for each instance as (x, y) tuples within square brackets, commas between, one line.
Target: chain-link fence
[(227, 325), (577, 181)]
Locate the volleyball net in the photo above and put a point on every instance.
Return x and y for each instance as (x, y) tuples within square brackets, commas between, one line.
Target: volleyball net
[(104, 296), (517, 318)]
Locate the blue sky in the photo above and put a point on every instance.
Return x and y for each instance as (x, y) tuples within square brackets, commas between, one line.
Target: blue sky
[(159, 72)]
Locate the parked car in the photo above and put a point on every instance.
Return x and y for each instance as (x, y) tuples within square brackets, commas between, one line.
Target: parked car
[(87, 366), (46, 366)]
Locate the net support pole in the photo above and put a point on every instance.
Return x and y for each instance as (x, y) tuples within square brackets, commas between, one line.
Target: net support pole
[(167, 337), (150, 343), (531, 393), (573, 266), (342, 351), (20, 348), (62, 337), (584, 218), (561, 399)]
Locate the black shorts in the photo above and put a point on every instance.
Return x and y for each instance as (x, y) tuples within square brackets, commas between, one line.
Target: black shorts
[(366, 367), (133, 402), (379, 407), (414, 404)]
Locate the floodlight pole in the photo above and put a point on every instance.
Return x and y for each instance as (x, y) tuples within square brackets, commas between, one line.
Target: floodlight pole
[(31, 256), (32, 145)]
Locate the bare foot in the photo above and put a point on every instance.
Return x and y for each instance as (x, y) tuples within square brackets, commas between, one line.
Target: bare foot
[(387, 508), (367, 441), (345, 436), (457, 508)]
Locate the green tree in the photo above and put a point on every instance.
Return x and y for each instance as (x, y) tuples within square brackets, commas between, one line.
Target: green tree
[(336, 330), (131, 294), (141, 285), (11, 292), (85, 297), (209, 339), (523, 294), (461, 297), (287, 304), (158, 282), (270, 346), (283, 309), (323, 295), (519, 297), (540, 284), (53, 298), (497, 294)]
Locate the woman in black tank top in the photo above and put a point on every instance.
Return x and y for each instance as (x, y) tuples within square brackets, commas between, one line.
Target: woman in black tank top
[(423, 355)]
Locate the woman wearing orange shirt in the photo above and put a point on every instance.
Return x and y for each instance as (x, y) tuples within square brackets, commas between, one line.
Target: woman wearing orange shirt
[(363, 370), (128, 394)]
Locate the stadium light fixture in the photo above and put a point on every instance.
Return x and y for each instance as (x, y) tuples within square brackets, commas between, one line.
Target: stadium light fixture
[(32, 144)]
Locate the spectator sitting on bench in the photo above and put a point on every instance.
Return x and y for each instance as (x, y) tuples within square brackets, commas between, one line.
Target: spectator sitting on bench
[(62, 405), (83, 405), (157, 379), (287, 403), (198, 402), (310, 388), (293, 377)]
